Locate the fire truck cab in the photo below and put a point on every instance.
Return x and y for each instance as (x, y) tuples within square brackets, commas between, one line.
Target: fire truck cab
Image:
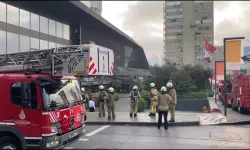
[(41, 107)]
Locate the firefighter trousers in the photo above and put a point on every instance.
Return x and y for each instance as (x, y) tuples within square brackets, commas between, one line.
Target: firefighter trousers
[(172, 112), (153, 105), (133, 107), (101, 108), (111, 112)]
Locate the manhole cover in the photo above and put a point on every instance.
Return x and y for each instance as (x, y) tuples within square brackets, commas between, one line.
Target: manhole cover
[(224, 135)]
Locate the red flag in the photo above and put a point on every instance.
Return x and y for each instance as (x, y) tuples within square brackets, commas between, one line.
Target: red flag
[(209, 47)]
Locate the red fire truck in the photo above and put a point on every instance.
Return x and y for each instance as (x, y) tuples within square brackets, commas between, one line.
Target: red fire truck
[(241, 93), (41, 104)]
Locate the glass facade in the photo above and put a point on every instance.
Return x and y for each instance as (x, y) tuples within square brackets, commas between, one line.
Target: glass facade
[(40, 31)]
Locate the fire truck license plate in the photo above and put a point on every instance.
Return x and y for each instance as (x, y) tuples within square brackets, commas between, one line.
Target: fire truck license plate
[(73, 135)]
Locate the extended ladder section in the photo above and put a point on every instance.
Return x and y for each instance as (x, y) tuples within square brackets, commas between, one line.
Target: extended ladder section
[(59, 61), (247, 87)]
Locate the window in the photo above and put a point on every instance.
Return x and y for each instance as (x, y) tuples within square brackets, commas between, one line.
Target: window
[(173, 3), (12, 15), (33, 93), (197, 22), (2, 12), (52, 27), (34, 44), (3, 42), (44, 44), (174, 50), (16, 94), (52, 45), (58, 45), (208, 28), (174, 30), (12, 43), (171, 37), (24, 19), (174, 10), (34, 22), (44, 25), (59, 29), (207, 21), (174, 23), (24, 43), (66, 32), (174, 17)]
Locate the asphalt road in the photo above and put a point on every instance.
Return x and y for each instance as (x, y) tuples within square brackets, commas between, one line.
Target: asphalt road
[(232, 115), (197, 137)]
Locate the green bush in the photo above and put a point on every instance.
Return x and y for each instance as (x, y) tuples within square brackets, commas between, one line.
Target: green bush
[(142, 105), (192, 95), (116, 96)]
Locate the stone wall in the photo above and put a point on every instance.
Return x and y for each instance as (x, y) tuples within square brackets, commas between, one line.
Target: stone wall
[(195, 105)]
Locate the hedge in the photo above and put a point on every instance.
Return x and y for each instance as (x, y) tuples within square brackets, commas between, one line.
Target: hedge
[(142, 105), (116, 96)]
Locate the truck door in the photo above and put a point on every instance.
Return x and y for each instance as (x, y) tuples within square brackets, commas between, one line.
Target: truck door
[(27, 119)]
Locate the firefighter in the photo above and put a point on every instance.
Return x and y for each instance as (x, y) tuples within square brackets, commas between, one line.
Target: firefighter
[(102, 96), (135, 97), (172, 93), (153, 99), (111, 103), (85, 96), (164, 101)]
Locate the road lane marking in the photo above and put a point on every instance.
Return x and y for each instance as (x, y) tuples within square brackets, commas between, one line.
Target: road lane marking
[(83, 139), (97, 130), (69, 148)]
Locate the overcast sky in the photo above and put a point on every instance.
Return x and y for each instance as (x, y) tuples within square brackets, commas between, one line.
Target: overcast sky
[(143, 21)]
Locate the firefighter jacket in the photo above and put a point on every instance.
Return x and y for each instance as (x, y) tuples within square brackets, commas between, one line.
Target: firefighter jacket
[(134, 95), (110, 100), (172, 93), (164, 100), (85, 97), (102, 96), (153, 94)]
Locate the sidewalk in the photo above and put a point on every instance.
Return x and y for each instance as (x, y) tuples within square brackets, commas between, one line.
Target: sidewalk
[(182, 119)]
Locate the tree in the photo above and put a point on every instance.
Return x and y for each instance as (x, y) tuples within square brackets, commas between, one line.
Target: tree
[(183, 82)]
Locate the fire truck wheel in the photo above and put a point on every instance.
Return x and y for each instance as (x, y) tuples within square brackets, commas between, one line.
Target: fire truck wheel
[(8, 142)]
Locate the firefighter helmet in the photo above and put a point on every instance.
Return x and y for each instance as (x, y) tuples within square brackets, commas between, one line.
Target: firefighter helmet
[(111, 89), (135, 87), (163, 89), (152, 85), (169, 85), (101, 87), (82, 89)]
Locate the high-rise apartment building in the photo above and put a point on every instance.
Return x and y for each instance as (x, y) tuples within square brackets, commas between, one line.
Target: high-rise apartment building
[(187, 24), (96, 6)]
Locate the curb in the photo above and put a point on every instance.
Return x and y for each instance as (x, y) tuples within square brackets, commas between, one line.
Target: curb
[(235, 123), (191, 123)]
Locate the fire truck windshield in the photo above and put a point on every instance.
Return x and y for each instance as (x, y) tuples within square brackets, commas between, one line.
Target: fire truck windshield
[(64, 94)]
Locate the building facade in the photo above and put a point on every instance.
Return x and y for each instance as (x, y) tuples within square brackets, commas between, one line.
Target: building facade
[(96, 6), (187, 24), (219, 53), (34, 25), (21, 31)]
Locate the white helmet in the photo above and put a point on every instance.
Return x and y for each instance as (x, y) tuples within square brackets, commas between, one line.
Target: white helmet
[(111, 89), (101, 87), (152, 85), (169, 85), (164, 89), (135, 87), (82, 89)]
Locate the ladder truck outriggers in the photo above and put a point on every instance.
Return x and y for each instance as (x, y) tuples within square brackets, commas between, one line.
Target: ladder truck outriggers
[(41, 104)]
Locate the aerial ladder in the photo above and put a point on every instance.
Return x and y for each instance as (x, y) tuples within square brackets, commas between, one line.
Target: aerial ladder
[(70, 60)]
